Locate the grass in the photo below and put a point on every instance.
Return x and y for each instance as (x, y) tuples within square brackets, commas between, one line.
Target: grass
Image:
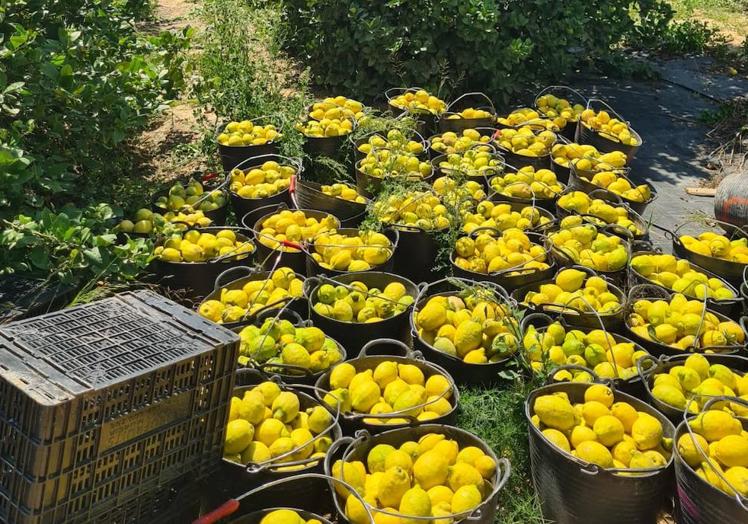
[(497, 417), (729, 16)]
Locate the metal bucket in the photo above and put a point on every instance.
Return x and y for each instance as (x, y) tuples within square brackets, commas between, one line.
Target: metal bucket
[(371, 186), (548, 204), (519, 206), (463, 373), (230, 280), (537, 162), (575, 317), (483, 131), (309, 195), (242, 205), (574, 491), (358, 449), (426, 122), (482, 179), (328, 146), (504, 278), (374, 353), (582, 181), (270, 258), (216, 216), (567, 93), (314, 269), (354, 335), (604, 143), (232, 156), (459, 124)]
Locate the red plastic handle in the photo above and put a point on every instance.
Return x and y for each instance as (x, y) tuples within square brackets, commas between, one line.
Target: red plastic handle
[(224, 510), (292, 185), (497, 134), (288, 243), (209, 176)]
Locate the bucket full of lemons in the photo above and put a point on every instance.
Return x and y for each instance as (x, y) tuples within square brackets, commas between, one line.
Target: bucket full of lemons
[(389, 386), (667, 323), (350, 250), (511, 258), (711, 465), (241, 294), (403, 140), (452, 142), (527, 144), (598, 455), (605, 210), (358, 307), (468, 328), (193, 259), (563, 105), (599, 125), (613, 183), (578, 295), (468, 111), (429, 473), (681, 383), (197, 193), (262, 181), (383, 165), (417, 103), (240, 140), (527, 185)]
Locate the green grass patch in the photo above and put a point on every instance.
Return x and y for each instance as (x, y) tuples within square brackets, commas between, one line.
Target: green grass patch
[(497, 417)]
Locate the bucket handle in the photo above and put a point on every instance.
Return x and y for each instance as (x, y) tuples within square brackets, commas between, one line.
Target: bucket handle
[(230, 506), (476, 94), (544, 317), (740, 499), (295, 162), (595, 377), (382, 341), (549, 89), (644, 374), (223, 278), (499, 290), (390, 93)]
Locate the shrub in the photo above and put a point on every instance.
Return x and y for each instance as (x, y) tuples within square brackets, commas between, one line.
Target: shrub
[(498, 46)]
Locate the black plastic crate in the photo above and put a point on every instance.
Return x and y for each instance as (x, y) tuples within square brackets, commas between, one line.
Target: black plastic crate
[(105, 404)]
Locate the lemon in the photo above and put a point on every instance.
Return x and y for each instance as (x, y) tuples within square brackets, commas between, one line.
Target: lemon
[(596, 453), (354, 473), (282, 516), (625, 413), (554, 412), (448, 449), (570, 279), (698, 363), (381, 518), (393, 485), (465, 499), (732, 450), (688, 447), (430, 469), (428, 441), (410, 374), (609, 430), (557, 438), (300, 438), (462, 474), (251, 407), (355, 510), (410, 402), (440, 406), (411, 448), (593, 410), (239, 434), (337, 397), (269, 431), (439, 495), (319, 419), (385, 373), (399, 458), (394, 389), (438, 385), (468, 337), (623, 451), (415, 502), (269, 391), (485, 466), (669, 395), (646, 431), (582, 434), (716, 425), (738, 479), (432, 316), (469, 455), (364, 395), (723, 374), (375, 460), (285, 406), (599, 393)]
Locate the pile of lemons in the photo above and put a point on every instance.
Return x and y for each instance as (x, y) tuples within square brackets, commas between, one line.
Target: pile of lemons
[(430, 478), (527, 115), (587, 158), (471, 326), (185, 198), (458, 193), (278, 341), (552, 106), (450, 142), (585, 245), (490, 252), (395, 140), (286, 516), (528, 183), (268, 179), (235, 304), (526, 141), (391, 387), (337, 108), (576, 289), (359, 252), (266, 423), (420, 101), (382, 163), (246, 133), (718, 449), (679, 324), (711, 244), (421, 209), (472, 163), (610, 127), (501, 216), (596, 350), (325, 128), (146, 221), (470, 113), (344, 192), (581, 203), (691, 385), (601, 431), (620, 185), (292, 226), (194, 246), (356, 302), (680, 276)]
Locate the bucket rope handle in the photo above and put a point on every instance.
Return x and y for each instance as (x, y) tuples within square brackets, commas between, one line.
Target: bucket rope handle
[(475, 94), (273, 463), (503, 468), (740, 499), (230, 506)]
